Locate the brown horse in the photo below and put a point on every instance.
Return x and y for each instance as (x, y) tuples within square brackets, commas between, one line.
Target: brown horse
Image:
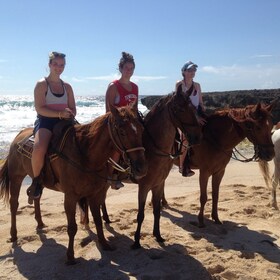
[(224, 130), (160, 129), (80, 169)]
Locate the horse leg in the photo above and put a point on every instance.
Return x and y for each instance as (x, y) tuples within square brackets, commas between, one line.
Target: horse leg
[(142, 197), (95, 211), (164, 202), (84, 218), (203, 181), (38, 216), (216, 181), (156, 198), (15, 185), (105, 213), (275, 181), (70, 210)]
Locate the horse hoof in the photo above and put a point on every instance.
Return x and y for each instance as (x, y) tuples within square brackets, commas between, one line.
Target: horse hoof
[(71, 262), (136, 245), (160, 239), (12, 240), (41, 226), (106, 247), (201, 225), (107, 220), (218, 222)]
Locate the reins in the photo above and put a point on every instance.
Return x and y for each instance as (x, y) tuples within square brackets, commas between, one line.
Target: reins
[(234, 156), (160, 152), (96, 172), (123, 151)]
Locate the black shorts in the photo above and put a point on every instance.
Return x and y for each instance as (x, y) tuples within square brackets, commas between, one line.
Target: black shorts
[(44, 122)]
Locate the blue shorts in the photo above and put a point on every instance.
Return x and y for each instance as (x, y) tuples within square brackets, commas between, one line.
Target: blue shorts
[(45, 122)]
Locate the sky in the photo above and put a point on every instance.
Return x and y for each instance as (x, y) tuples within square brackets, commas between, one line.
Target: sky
[(235, 43)]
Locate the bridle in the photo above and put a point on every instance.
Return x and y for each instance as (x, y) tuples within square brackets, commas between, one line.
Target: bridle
[(173, 113), (116, 139), (172, 108)]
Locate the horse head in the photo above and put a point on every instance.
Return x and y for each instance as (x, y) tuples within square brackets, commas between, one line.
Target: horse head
[(256, 123), (184, 115), (126, 134)]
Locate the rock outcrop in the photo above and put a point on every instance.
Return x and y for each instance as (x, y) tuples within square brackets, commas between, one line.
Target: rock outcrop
[(232, 99)]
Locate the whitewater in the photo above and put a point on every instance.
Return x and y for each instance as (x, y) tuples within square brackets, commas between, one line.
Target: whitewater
[(18, 112)]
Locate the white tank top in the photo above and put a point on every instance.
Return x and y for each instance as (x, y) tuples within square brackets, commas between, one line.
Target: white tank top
[(194, 97), (54, 101)]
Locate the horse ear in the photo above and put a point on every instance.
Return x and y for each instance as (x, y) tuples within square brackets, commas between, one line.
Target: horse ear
[(272, 105), (114, 111), (255, 111), (179, 89)]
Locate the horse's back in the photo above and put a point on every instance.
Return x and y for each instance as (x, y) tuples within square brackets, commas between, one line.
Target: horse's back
[(25, 133), (18, 162)]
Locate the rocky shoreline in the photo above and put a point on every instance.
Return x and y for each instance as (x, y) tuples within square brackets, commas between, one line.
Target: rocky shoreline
[(232, 99)]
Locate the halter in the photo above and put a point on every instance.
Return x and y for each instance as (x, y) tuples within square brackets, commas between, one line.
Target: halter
[(120, 147), (172, 110)]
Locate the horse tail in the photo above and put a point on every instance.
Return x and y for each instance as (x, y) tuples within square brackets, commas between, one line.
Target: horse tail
[(4, 182), (264, 167)]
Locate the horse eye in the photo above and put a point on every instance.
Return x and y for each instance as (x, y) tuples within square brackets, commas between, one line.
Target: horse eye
[(249, 125), (122, 132)]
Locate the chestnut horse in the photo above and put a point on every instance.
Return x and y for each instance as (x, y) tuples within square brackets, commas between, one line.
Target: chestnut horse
[(160, 128), (80, 169), (223, 131)]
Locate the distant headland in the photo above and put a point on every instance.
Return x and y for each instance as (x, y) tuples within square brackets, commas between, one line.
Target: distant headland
[(232, 99)]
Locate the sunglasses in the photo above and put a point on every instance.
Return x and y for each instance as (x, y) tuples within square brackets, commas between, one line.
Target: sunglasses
[(53, 55)]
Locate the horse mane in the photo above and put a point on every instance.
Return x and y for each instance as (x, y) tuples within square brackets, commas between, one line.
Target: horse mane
[(241, 114), (93, 128), (159, 105)]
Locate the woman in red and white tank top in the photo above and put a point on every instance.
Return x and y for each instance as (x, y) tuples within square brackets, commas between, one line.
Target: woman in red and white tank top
[(121, 93)]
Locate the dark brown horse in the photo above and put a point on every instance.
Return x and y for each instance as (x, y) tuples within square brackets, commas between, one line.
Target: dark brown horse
[(160, 128), (80, 169), (224, 130)]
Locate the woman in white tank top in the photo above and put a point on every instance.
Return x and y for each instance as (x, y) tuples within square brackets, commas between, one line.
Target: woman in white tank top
[(188, 73), (54, 101)]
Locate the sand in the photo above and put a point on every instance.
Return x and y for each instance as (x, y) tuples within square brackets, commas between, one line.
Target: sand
[(246, 246)]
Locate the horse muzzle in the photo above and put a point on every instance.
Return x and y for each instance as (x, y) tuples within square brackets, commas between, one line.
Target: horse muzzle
[(265, 152)]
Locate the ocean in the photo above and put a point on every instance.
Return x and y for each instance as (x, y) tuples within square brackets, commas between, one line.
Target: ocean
[(17, 112)]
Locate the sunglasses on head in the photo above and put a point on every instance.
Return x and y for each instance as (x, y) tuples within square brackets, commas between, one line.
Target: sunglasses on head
[(56, 54)]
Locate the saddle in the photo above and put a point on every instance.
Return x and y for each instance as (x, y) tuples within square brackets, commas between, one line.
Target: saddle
[(60, 132)]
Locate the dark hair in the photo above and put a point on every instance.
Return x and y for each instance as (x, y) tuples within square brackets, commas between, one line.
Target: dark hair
[(53, 55), (126, 57)]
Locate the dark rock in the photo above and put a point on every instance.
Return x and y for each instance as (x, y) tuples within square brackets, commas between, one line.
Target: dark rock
[(232, 99)]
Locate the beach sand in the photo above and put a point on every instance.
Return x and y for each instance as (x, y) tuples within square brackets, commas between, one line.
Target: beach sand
[(246, 246)]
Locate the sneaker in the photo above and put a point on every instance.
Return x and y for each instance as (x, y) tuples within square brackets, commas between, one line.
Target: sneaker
[(34, 191), (115, 184), (187, 173)]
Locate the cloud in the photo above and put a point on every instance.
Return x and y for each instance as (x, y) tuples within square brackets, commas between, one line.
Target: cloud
[(148, 78), (241, 76), (112, 77), (261, 56), (221, 70)]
